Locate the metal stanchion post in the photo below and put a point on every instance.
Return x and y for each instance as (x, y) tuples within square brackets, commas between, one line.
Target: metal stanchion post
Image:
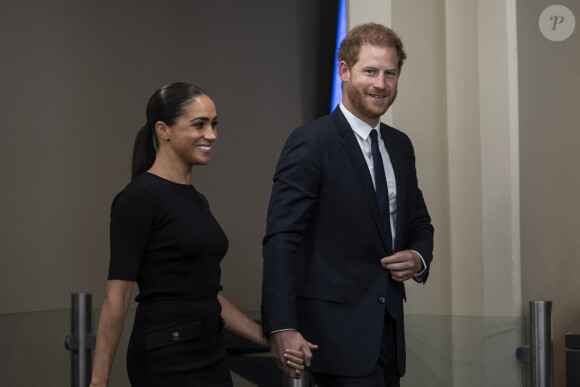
[(539, 354), (542, 357), (80, 342), (303, 382)]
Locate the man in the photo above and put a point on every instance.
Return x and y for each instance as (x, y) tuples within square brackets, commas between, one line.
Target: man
[(340, 241)]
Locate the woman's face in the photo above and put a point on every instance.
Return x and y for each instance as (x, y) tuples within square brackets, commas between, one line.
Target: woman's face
[(194, 133)]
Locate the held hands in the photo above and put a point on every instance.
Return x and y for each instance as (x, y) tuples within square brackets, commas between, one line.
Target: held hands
[(403, 265), (291, 352), (295, 360)]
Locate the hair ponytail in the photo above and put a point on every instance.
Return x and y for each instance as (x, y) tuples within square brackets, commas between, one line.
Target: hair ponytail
[(143, 152), (166, 105)]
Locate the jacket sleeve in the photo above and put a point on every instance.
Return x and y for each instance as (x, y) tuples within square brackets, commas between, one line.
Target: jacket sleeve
[(293, 198), (420, 231)]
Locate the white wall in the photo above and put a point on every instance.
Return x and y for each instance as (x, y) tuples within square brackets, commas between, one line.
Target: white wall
[(549, 90), (461, 121), (491, 106)]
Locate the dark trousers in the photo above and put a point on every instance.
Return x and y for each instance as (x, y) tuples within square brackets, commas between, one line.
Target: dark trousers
[(385, 373)]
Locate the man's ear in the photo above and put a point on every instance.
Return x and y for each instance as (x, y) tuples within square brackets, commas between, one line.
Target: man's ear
[(343, 71)]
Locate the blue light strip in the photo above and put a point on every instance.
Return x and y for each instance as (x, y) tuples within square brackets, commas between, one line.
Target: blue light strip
[(340, 34)]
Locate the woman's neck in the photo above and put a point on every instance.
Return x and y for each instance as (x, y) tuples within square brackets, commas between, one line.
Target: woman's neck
[(169, 171)]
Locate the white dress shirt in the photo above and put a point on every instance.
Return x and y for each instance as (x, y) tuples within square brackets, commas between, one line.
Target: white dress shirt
[(362, 132)]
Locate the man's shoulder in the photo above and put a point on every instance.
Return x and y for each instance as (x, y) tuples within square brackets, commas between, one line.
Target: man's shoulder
[(321, 122), (318, 128), (334, 122)]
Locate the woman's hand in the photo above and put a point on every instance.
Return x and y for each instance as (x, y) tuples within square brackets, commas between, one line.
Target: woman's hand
[(296, 360)]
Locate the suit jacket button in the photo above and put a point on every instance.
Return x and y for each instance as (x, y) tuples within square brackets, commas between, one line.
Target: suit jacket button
[(382, 300), (175, 336)]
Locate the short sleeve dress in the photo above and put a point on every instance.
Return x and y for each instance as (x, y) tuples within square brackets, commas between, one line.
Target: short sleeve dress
[(164, 236)]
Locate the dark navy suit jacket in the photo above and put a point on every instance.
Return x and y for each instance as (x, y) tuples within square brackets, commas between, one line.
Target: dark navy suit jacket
[(324, 241)]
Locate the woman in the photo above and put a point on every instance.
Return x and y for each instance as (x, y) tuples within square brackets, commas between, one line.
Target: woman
[(164, 237)]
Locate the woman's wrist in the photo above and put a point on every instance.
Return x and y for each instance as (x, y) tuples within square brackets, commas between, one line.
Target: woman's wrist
[(265, 342)]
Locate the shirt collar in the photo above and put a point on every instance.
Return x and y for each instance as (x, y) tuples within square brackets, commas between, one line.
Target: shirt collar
[(358, 126)]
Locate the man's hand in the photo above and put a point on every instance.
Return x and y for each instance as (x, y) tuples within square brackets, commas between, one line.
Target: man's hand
[(282, 341), (403, 265)]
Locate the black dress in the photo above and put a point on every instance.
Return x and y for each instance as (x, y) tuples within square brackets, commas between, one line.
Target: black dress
[(164, 237)]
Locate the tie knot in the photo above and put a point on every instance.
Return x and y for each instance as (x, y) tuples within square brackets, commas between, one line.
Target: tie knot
[(374, 135)]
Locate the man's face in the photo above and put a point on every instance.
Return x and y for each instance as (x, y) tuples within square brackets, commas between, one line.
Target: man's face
[(370, 86)]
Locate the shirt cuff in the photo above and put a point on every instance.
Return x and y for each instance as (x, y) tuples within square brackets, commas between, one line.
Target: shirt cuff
[(281, 330), (419, 275)]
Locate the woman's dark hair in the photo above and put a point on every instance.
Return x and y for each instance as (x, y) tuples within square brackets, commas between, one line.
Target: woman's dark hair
[(166, 104)]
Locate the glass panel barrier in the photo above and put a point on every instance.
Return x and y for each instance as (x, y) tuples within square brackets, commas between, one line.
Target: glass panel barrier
[(475, 351), (442, 351)]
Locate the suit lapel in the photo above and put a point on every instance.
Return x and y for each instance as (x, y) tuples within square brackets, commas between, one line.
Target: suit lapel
[(350, 144)]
